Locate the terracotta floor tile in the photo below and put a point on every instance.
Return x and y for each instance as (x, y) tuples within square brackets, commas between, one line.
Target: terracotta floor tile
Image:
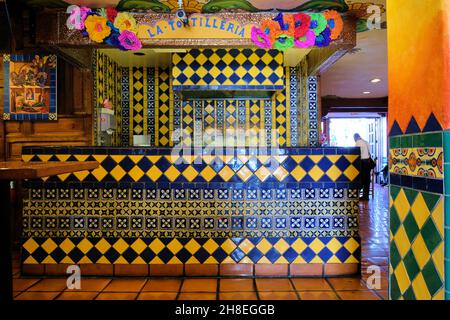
[(318, 295), (236, 285), (49, 285), (278, 296), (77, 295), (37, 296), (157, 296), (23, 284), (306, 284), (357, 295), (162, 285), (199, 285), (92, 285), (274, 285), (117, 296), (197, 296), (238, 296), (347, 284), (125, 285)]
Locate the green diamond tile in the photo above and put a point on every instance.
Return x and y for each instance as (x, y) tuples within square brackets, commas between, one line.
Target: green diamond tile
[(410, 195), (394, 191), (409, 294), (394, 288), (394, 220), (431, 235), (411, 227), (411, 265), (431, 200), (432, 278), (394, 255)]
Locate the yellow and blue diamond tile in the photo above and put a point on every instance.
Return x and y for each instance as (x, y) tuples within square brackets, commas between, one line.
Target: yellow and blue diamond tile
[(290, 168), (145, 104), (164, 109), (143, 250), (232, 69)]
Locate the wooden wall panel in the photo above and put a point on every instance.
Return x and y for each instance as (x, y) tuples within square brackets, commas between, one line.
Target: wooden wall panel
[(2, 127)]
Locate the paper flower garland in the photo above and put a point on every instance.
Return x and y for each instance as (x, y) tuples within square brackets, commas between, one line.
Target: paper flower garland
[(302, 22), (323, 39), (334, 22), (307, 41), (284, 42), (124, 21), (271, 29), (129, 40), (318, 23), (301, 30), (105, 26), (97, 28), (260, 38)]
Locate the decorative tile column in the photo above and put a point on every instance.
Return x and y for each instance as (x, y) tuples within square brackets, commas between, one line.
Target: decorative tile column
[(419, 145)]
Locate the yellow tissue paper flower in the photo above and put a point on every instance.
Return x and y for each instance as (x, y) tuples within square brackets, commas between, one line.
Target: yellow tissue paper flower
[(125, 21), (97, 28)]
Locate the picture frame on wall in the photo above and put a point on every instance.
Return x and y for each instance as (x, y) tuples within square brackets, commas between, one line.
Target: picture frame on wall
[(30, 84)]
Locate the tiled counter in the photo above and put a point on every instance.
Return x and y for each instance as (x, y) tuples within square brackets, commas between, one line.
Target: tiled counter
[(289, 212)]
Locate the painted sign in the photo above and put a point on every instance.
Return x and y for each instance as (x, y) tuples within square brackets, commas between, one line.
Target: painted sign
[(200, 27), (30, 87)]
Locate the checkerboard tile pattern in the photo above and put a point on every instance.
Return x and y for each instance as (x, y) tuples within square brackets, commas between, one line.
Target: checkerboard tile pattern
[(238, 168), (138, 86), (146, 103), (417, 244), (231, 69), (163, 108), (37, 250), (416, 165), (108, 85)]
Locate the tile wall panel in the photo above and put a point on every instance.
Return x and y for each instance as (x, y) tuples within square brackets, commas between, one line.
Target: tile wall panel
[(234, 69), (143, 206), (417, 208)]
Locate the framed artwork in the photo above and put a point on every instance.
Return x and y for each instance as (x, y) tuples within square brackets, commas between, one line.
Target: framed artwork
[(29, 87)]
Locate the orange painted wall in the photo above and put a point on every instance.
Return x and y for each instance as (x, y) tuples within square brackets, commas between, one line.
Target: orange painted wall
[(418, 61)]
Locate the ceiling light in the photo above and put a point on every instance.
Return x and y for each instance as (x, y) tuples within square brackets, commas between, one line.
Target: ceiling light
[(366, 92), (376, 80)]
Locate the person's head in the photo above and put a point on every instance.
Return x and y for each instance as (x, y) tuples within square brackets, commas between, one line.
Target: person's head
[(356, 136)]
